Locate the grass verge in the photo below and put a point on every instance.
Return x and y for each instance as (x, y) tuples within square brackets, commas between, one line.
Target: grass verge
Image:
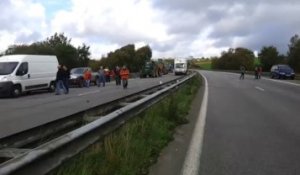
[(135, 146)]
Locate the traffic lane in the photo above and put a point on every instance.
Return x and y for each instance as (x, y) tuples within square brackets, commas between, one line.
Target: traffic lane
[(249, 131), (31, 111)]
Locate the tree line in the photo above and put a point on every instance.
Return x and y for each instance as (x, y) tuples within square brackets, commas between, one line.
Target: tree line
[(71, 56), (58, 45), (127, 55), (268, 56)]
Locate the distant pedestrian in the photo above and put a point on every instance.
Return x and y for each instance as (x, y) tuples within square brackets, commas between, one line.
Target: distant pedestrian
[(66, 78), (256, 72), (124, 73), (101, 77), (242, 69), (259, 72), (87, 77), (60, 81), (107, 74), (117, 75)]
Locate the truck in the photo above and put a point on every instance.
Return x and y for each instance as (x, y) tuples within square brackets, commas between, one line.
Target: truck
[(76, 76), (180, 66), (153, 69), (26, 73)]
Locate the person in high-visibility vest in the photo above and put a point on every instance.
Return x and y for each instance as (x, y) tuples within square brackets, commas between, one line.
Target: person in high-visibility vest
[(124, 73)]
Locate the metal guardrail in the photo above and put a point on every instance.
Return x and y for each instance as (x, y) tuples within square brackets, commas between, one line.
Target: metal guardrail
[(48, 156)]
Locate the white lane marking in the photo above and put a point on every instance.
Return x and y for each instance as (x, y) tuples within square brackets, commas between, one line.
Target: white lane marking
[(259, 88), (86, 93), (192, 160), (280, 81)]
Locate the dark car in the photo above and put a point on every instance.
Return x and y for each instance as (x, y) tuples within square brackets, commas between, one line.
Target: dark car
[(76, 76), (282, 71)]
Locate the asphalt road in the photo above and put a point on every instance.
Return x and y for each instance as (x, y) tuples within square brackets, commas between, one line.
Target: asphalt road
[(252, 127), (28, 111)]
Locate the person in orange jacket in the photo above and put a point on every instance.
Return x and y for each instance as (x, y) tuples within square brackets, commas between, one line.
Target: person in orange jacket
[(124, 73), (87, 77)]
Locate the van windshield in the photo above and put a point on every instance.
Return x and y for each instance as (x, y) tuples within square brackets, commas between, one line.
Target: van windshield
[(7, 67), (179, 65), (77, 71)]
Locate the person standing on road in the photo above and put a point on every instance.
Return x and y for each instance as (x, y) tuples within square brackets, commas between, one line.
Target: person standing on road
[(60, 75), (87, 78), (117, 75), (101, 77), (124, 73), (242, 69), (256, 72), (259, 72), (66, 78)]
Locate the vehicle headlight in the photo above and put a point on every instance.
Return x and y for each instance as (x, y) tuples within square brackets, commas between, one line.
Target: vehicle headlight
[(4, 79)]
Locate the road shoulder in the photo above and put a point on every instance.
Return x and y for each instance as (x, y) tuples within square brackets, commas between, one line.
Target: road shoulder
[(172, 157)]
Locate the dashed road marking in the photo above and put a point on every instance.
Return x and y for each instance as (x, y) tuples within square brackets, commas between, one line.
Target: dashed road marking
[(259, 88), (86, 93)]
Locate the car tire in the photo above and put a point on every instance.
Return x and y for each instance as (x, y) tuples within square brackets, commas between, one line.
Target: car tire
[(16, 91)]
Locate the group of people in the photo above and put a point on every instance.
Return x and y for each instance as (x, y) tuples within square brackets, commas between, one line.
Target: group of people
[(120, 74), (62, 80), (257, 72), (63, 76)]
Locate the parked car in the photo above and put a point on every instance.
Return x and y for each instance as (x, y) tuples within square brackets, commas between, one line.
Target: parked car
[(26, 73), (76, 76), (282, 71)]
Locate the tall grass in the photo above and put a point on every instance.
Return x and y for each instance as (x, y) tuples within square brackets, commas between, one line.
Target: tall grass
[(131, 149)]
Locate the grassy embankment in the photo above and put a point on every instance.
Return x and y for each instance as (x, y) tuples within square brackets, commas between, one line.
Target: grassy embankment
[(203, 64), (131, 149)]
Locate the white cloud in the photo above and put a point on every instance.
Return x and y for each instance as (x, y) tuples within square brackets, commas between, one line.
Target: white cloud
[(21, 22), (171, 27), (111, 22)]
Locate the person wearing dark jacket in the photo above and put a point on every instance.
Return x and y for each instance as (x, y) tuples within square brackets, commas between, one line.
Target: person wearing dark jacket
[(117, 75), (66, 78), (60, 76)]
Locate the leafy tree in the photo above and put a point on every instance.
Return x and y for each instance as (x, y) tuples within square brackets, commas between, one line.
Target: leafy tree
[(83, 54), (127, 55), (58, 45), (294, 53), (233, 59), (269, 56), (142, 54)]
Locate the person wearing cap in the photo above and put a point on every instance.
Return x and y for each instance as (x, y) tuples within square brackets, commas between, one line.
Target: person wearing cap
[(124, 73)]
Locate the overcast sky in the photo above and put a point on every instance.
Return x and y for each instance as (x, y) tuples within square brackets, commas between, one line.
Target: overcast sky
[(172, 28)]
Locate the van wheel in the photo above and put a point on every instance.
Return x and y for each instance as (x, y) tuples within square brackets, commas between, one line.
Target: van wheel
[(51, 87), (16, 91)]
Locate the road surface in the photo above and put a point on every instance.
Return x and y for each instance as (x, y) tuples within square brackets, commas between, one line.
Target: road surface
[(252, 127), (25, 112)]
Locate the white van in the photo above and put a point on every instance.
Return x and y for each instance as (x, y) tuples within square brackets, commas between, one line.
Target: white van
[(25, 73), (180, 66)]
